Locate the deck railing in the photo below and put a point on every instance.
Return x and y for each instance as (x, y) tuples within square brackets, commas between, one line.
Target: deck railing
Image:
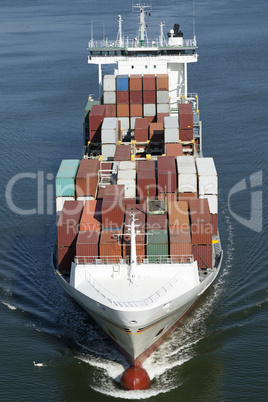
[(132, 44), (141, 259)]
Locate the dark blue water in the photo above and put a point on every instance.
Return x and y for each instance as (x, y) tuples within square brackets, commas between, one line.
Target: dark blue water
[(219, 353)]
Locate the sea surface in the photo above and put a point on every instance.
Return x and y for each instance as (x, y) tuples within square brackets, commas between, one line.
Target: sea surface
[(219, 352)]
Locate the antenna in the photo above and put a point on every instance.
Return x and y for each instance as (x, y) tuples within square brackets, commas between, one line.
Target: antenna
[(142, 7), (193, 20)]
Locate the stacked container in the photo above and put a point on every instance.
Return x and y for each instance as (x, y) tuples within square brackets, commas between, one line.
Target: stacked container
[(186, 121), (141, 130), (122, 86), (110, 243), (171, 130), (157, 245), (87, 246), (109, 137), (127, 176), (146, 179), (149, 96), (187, 176), (109, 90), (140, 215), (156, 133), (96, 117), (91, 216), (67, 230), (179, 229), (112, 212), (167, 176), (122, 153), (162, 93), (135, 98), (201, 229), (208, 187), (174, 150), (65, 182), (87, 179)]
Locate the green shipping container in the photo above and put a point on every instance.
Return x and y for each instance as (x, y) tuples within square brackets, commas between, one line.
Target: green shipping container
[(65, 179), (88, 108), (157, 244)]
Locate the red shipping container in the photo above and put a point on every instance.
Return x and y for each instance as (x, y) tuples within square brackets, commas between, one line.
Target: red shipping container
[(145, 166), (149, 82), (122, 153), (151, 119), (201, 222), (65, 258), (100, 193), (87, 246), (185, 116), (122, 110), (87, 177), (187, 196), (110, 110), (96, 116), (162, 82), (106, 166), (180, 242), (67, 226), (156, 222), (186, 135), (160, 118), (135, 97), (112, 212), (203, 255), (91, 216), (146, 177), (167, 176), (178, 215), (141, 130), (140, 246), (128, 201), (135, 82), (156, 132), (214, 218), (110, 245), (95, 136), (174, 150), (169, 196), (115, 190), (122, 97), (136, 110), (148, 96)]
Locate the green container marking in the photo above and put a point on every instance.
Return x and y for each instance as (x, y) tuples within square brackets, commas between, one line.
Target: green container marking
[(157, 244), (65, 179), (89, 107)]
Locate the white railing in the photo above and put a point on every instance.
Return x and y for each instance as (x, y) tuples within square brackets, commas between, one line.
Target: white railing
[(133, 303), (130, 44), (141, 259)]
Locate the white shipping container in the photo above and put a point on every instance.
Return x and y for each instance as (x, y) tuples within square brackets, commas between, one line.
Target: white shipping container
[(207, 176), (187, 176), (163, 108), (171, 122), (108, 151), (124, 122), (133, 121), (149, 109), (85, 198), (126, 174), (109, 83), (109, 97), (60, 202), (127, 165), (130, 187), (109, 130), (162, 96), (171, 135), (212, 202)]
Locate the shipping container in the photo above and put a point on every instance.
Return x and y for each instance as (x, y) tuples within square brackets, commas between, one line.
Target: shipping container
[(212, 202), (67, 226), (122, 97), (115, 190), (110, 110), (127, 165), (162, 96), (65, 178), (110, 244), (96, 116), (149, 109), (186, 135), (201, 222), (180, 242), (140, 246), (87, 246), (162, 108), (141, 130), (157, 222), (161, 117), (162, 82), (95, 136), (145, 166), (130, 187), (65, 258), (88, 108), (139, 214), (109, 97), (178, 215), (187, 196), (122, 111), (122, 83), (156, 132), (167, 176), (136, 110), (87, 177), (214, 218), (203, 255), (112, 212), (109, 82), (157, 245), (171, 122), (91, 216), (173, 150), (110, 130), (135, 82), (122, 153), (60, 202), (108, 151), (207, 176), (146, 180), (171, 135), (126, 174), (135, 97), (148, 82), (185, 116), (124, 122), (149, 96), (168, 196), (187, 176)]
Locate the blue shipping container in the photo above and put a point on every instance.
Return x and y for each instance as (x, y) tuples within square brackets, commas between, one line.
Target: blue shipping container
[(122, 83), (65, 179)]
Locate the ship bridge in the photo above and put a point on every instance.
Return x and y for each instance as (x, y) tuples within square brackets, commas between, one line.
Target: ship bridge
[(141, 56)]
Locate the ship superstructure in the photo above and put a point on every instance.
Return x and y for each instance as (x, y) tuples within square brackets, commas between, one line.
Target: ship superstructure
[(138, 239)]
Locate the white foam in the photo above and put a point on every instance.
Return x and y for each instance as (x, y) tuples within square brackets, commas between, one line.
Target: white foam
[(10, 306)]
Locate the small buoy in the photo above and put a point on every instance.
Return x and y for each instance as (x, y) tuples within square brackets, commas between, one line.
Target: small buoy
[(135, 378), (38, 364)]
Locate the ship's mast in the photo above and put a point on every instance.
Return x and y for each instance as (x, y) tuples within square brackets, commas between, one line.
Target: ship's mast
[(142, 8)]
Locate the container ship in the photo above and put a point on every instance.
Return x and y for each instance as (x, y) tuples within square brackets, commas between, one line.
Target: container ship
[(137, 216)]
